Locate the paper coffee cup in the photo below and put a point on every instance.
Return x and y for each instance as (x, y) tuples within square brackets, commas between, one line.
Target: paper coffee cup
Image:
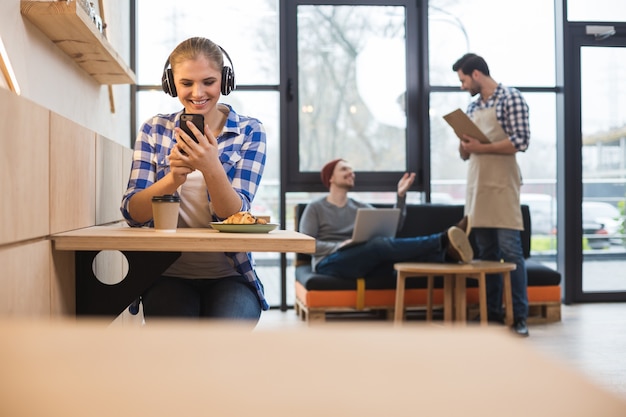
[(165, 212)]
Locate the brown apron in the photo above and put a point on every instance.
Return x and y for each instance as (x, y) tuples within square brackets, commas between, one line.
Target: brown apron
[(493, 181)]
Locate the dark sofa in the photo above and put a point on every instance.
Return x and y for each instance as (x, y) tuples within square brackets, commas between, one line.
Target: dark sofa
[(317, 295)]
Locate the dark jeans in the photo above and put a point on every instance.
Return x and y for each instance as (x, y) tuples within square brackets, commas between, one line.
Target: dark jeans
[(357, 261), (232, 298), (506, 245)]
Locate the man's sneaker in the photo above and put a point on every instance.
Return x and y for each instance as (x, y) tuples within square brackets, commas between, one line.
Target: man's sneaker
[(519, 327), (459, 248), (465, 225)]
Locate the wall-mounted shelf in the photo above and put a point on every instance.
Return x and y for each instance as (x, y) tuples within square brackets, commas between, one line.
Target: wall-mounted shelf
[(71, 29)]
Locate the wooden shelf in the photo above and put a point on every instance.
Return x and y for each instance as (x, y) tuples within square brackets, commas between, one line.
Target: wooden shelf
[(71, 29)]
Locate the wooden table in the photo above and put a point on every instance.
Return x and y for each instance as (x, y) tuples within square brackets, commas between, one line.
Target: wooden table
[(454, 277), (150, 253), (80, 369)]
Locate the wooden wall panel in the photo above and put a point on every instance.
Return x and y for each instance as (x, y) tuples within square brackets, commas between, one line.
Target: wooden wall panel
[(25, 279), (23, 169), (72, 175), (57, 176), (109, 174)]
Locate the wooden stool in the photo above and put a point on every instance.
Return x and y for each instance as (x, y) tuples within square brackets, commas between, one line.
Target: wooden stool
[(454, 276)]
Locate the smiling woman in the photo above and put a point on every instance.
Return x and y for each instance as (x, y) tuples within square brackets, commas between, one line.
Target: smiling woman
[(215, 175), (254, 50)]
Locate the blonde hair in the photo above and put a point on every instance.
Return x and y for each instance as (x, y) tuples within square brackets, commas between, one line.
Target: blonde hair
[(193, 48)]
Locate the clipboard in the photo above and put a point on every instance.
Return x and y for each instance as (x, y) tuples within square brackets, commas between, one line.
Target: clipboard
[(462, 124)]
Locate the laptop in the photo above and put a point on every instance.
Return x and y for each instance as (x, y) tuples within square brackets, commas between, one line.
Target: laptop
[(374, 222)]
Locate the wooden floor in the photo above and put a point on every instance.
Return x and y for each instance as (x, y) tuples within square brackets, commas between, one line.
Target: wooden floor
[(590, 338)]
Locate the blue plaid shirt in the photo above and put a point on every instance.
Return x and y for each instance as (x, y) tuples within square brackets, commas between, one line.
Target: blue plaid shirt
[(511, 112), (242, 147)]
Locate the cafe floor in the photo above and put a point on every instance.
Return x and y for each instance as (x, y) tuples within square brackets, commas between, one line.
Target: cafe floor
[(590, 338)]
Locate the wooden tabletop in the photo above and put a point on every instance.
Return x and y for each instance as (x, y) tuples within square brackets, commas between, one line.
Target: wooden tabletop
[(183, 240), (188, 369)]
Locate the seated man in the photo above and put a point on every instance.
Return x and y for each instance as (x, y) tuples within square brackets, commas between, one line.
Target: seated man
[(330, 220)]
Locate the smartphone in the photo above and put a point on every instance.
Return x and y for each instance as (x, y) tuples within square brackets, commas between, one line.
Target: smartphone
[(196, 119)]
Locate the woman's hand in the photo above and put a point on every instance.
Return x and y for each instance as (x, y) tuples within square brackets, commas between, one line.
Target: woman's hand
[(204, 157), (179, 169), (199, 155)]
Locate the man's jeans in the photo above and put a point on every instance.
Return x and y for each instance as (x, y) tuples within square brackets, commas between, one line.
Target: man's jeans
[(506, 245), (359, 260)]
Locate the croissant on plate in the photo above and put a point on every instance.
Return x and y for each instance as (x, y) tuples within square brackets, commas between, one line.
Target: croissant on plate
[(244, 217)]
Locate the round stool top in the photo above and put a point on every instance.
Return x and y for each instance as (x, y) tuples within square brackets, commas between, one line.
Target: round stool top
[(476, 266)]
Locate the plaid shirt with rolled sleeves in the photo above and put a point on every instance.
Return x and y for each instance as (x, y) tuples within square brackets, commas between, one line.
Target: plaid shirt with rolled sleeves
[(242, 148), (511, 112)]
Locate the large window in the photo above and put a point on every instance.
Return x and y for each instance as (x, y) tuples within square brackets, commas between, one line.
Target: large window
[(519, 53), (253, 48), (351, 86), (514, 59)]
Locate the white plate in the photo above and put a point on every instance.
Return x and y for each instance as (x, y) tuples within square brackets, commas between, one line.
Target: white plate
[(244, 228)]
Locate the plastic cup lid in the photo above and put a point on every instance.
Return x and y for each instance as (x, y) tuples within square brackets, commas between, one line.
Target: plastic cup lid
[(167, 198)]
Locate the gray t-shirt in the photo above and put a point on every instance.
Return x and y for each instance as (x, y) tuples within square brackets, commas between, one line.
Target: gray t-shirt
[(330, 224)]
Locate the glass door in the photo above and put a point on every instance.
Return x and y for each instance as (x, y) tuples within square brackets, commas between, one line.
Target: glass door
[(603, 130)]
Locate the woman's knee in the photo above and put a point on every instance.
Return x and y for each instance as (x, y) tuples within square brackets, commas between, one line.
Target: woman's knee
[(232, 298), (171, 297)]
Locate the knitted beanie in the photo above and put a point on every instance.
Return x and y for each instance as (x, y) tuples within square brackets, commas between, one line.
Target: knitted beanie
[(327, 171)]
